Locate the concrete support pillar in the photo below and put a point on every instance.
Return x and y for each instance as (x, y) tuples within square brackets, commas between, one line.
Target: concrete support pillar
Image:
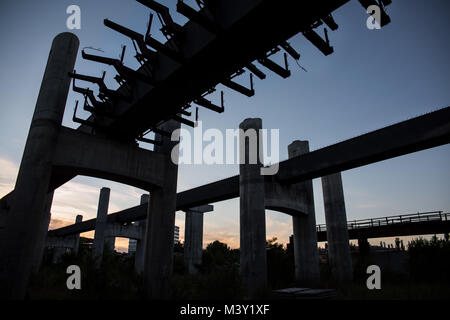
[(139, 257), (24, 226), (39, 254), (193, 237), (67, 243), (339, 255), (78, 219), (100, 226), (306, 254), (253, 258), (161, 221)]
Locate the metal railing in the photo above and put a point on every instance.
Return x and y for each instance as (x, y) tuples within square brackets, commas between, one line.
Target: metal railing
[(384, 221)]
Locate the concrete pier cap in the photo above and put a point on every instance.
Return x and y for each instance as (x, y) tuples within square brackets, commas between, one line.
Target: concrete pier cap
[(337, 231)]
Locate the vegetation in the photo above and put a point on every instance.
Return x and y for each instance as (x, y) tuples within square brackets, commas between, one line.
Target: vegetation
[(429, 260)]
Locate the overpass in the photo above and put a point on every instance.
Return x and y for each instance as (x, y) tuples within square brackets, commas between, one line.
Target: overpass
[(421, 223)]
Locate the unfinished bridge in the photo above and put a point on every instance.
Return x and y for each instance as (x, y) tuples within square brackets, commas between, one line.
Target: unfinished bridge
[(244, 34)]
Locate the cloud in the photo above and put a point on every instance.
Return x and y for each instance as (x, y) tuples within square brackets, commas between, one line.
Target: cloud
[(8, 175)]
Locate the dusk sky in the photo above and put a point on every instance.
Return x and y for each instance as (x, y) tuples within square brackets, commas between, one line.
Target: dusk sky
[(373, 79)]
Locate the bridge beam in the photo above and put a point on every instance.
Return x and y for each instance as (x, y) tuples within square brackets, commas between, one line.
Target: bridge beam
[(339, 256), (22, 237), (285, 198), (252, 211), (193, 237), (306, 254)]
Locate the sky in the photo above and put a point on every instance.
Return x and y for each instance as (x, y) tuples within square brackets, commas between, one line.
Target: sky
[(373, 79)]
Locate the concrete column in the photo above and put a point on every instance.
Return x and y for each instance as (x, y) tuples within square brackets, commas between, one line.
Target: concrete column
[(193, 237), (161, 222), (39, 254), (139, 257), (253, 256), (22, 236), (101, 224), (110, 243), (78, 219), (306, 254), (339, 255)]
